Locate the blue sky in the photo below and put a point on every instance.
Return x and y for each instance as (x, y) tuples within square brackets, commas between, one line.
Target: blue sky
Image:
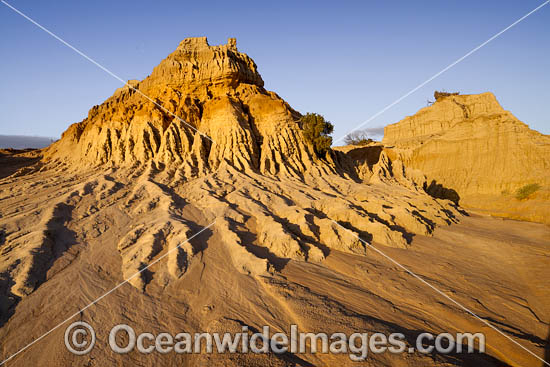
[(345, 60)]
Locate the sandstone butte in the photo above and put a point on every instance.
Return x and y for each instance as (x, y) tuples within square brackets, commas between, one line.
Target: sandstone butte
[(135, 179), (474, 151), (238, 152)]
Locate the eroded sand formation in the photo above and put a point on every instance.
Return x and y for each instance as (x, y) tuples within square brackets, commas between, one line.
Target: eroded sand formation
[(470, 144), (133, 181)]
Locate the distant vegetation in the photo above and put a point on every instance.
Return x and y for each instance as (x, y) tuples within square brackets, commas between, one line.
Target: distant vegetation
[(440, 95), (525, 191), (358, 137), (317, 131)]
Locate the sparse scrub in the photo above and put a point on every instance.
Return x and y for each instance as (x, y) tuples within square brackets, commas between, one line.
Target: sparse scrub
[(358, 137), (525, 191), (317, 131), (440, 95)]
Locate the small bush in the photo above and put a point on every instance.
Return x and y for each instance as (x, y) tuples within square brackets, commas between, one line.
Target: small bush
[(316, 131), (358, 137), (440, 95), (525, 191)]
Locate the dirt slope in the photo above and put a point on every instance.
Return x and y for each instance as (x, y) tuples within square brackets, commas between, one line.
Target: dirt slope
[(131, 182), (470, 144)]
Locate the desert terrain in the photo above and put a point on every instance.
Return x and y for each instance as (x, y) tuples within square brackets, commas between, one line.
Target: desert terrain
[(279, 232)]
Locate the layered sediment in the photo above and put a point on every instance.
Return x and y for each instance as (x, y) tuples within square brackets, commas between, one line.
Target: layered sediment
[(473, 150), (201, 171)]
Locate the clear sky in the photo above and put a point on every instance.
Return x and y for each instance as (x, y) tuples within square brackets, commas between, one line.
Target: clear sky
[(345, 60)]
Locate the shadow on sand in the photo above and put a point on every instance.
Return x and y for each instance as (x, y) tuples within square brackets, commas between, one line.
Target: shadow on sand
[(439, 191)]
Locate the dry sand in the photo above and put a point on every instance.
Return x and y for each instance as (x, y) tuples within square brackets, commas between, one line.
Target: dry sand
[(131, 182), (497, 268)]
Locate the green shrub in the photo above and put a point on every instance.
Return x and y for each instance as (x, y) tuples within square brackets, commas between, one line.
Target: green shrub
[(316, 131), (524, 192)]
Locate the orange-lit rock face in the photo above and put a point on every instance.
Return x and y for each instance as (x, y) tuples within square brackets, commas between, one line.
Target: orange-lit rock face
[(256, 165), (470, 144), (196, 64), (129, 128), (214, 89), (130, 184)]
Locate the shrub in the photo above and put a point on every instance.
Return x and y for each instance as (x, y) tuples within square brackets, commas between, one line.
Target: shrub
[(358, 137), (525, 191), (316, 131), (440, 95)]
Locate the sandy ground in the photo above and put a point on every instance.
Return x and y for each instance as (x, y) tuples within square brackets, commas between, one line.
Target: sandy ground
[(500, 269), (11, 160)]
